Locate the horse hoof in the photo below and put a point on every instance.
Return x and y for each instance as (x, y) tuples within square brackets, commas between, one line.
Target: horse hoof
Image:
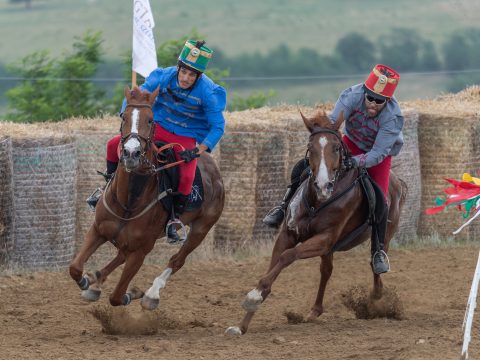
[(149, 303), (233, 331), (91, 294), (252, 301)]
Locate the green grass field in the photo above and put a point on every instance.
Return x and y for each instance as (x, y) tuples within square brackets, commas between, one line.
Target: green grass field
[(232, 26)]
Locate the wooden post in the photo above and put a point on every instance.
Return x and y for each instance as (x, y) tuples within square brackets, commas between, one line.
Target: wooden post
[(134, 79)]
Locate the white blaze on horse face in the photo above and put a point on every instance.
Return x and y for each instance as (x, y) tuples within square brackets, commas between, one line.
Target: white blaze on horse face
[(133, 143), (322, 175)]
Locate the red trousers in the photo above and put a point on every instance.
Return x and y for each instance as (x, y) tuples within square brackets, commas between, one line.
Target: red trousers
[(380, 173), (186, 170)]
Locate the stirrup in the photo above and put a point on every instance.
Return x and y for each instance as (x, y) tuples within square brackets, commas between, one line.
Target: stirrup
[(92, 200), (173, 223), (385, 262)]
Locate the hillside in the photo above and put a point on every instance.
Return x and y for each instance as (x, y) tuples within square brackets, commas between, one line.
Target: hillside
[(234, 27)]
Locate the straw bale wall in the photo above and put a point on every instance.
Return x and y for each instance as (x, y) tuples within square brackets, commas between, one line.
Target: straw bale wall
[(449, 146), (7, 211), (406, 166), (91, 153), (253, 162), (44, 189)]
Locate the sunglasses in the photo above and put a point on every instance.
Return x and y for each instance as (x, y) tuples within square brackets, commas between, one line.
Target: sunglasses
[(371, 99)]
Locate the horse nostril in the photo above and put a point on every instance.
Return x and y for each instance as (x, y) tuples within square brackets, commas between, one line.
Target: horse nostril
[(330, 186), (137, 154), (125, 153)]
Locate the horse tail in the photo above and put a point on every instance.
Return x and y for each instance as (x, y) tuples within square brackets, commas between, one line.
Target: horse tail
[(403, 196)]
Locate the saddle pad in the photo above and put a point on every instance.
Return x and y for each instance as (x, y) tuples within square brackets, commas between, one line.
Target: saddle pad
[(170, 181)]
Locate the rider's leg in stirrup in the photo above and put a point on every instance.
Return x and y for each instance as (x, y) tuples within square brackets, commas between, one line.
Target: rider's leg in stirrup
[(179, 203), (380, 262), (92, 200), (276, 215)]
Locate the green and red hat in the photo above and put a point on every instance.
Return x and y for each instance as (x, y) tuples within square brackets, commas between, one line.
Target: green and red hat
[(382, 82), (195, 55)]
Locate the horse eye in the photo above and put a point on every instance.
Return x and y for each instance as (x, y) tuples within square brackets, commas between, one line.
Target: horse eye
[(337, 148)]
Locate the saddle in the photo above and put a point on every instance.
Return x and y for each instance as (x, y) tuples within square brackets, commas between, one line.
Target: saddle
[(376, 210), (170, 179)]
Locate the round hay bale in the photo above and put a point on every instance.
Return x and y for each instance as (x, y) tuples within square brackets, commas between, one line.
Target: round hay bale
[(91, 155), (44, 182), (253, 166), (449, 146), (7, 210), (407, 167)]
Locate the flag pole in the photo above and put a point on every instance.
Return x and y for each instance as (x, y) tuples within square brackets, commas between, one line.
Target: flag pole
[(134, 79)]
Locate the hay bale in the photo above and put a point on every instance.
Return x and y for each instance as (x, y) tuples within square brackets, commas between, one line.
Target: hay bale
[(91, 155), (253, 166), (407, 167), (44, 178), (7, 210), (449, 146)]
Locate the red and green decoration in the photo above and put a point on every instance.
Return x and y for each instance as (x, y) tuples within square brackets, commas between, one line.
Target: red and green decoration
[(463, 195)]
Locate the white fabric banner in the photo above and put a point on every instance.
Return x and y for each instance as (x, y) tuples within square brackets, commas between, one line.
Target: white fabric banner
[(144, 53)]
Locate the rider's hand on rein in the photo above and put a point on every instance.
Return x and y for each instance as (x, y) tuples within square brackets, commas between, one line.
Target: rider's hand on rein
[(189, 155)]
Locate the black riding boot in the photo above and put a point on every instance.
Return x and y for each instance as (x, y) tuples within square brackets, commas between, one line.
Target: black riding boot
[(92, 200), (275, 216), (299, 173), (179, 203), (380, 263)]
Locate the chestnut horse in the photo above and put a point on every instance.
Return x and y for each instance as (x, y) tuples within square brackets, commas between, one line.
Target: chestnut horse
[(325, 209), (130, 215)]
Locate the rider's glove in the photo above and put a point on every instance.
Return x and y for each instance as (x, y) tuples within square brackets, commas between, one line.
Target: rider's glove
[(349, 163), (189, 155)]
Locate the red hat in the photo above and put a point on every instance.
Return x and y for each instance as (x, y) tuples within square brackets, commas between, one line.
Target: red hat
[(382, 81)]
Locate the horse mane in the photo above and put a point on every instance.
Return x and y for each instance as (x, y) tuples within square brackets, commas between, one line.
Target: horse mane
[(321, 119), (138, 95)]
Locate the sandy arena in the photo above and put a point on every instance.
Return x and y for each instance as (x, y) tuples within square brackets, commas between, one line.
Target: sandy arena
[(43, 316)]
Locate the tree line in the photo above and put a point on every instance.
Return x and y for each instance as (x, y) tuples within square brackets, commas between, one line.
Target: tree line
[(62, 87)]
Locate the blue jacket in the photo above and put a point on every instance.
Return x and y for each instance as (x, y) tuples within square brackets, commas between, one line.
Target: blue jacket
[(378, 137), (196, 113)]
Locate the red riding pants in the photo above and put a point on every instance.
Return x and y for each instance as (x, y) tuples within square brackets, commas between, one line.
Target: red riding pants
[(187, 170), (380, 173)]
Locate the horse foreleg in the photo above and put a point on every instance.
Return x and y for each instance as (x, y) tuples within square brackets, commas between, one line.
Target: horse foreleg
[(96, 280), (89, 246), (326, 267), (133, 263)]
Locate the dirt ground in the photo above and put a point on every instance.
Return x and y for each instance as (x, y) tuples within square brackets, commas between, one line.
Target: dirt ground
[(43, 317)]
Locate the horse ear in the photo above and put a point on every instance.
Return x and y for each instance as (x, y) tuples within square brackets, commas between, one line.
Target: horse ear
[(128, 94), (307, 122), (154, 95), (339, 120)]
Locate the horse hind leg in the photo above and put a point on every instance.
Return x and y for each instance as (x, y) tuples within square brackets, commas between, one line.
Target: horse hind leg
[(326, 268), (198, 232)]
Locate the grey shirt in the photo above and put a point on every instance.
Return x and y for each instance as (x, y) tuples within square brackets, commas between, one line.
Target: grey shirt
[(378, 137)]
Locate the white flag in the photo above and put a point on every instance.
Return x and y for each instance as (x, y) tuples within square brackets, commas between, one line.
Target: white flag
[(144, 53)]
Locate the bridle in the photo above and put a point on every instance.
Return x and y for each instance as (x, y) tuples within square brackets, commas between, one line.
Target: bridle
[(343, 151), (147, 140)]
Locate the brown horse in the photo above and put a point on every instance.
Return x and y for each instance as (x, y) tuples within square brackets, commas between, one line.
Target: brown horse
[(325, 209), (130, 215)]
